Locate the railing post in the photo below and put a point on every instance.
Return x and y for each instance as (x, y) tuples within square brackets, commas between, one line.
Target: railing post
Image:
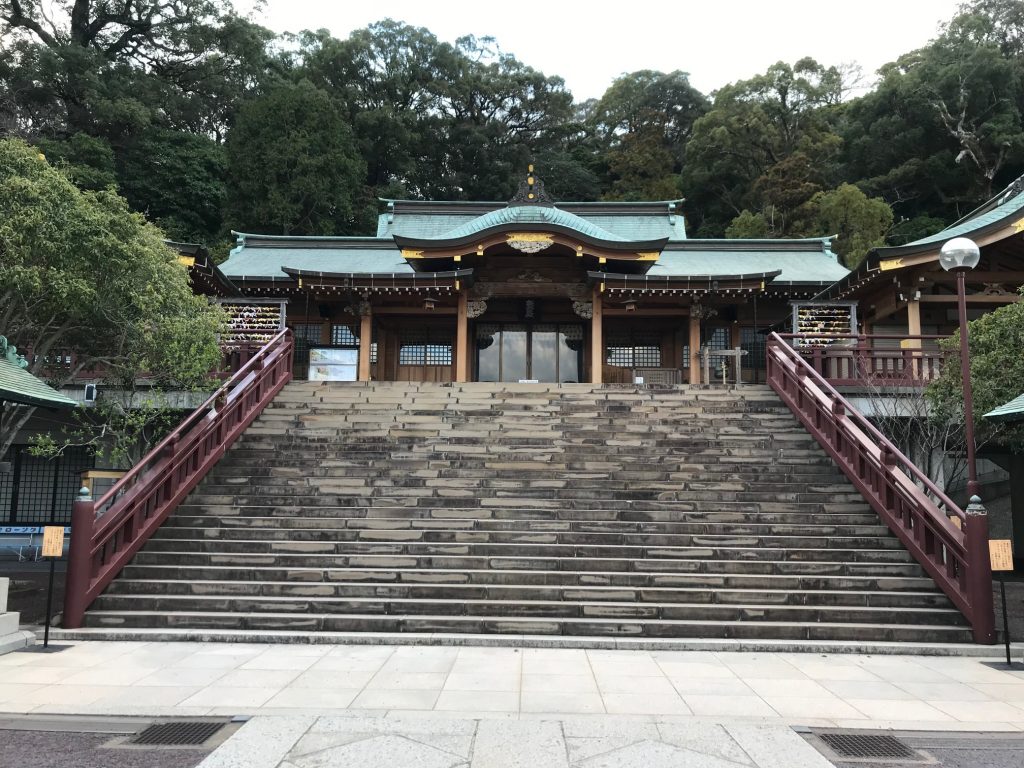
[(979, 573), (79, 574)]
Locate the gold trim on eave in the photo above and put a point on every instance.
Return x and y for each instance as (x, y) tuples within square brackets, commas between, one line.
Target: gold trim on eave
[(187, 261), (409, 254), (530, 237), (887, 264), (648, 255), (1018, 225)]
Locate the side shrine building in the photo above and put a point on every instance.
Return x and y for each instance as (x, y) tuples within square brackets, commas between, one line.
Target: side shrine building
[(531, 290)]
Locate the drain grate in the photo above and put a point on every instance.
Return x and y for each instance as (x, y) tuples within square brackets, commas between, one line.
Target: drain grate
[(867, 745), (182, 733)]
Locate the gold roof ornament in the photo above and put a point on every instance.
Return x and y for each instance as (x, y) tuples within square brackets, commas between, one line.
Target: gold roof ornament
[(529, 242)]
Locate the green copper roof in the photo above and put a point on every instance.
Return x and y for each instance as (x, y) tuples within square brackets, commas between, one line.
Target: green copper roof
[(972, 224), (19, 386), (801, 261), (1011, 411), (628, 221), (527, 215), (258, 257)]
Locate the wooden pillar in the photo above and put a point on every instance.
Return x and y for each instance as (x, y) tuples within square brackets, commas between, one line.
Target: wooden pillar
[(462, 339), (694, 348), (365, 340), (597, 339), (914, 329)]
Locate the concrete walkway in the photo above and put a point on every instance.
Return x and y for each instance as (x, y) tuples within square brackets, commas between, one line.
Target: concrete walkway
[(781, 689)]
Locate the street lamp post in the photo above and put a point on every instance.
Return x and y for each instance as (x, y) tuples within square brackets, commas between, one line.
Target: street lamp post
[(960, 255)]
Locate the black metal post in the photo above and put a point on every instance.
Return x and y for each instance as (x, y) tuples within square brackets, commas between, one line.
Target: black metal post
[(49, 603), (965, 375), (1006, 622)]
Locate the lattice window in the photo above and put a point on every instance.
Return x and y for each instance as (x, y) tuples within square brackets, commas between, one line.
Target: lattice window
[(342, 336), (639, 350), (754, 344), (425, 348), (718, 339), (307, 332)]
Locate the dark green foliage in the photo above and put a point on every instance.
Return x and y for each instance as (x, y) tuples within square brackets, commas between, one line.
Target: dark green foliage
[(293, 165), (172, 103), (997, 374)]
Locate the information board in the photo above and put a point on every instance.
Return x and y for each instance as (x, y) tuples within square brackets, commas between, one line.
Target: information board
[(333, 364), (1001, 553), (53, 541)]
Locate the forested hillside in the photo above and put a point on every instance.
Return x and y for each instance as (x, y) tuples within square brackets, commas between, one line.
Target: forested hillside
[(207, 122)]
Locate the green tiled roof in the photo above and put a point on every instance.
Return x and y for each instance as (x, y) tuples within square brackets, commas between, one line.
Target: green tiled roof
[(627, 221), (1011, 411), (801, 261), (259, 257), (19, 386), (527, 215), (971, 224)]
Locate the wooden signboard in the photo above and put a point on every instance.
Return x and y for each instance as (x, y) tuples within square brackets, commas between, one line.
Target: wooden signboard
[(1001, 553), (53, 541)]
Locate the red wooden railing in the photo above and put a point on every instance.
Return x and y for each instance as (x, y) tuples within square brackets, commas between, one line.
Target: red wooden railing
[(107, 532), (954, 554), (874, 360)]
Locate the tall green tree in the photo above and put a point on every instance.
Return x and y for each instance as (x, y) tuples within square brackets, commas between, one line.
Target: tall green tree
[(767, 143), (641, 126), (84, 274), (293, 165)]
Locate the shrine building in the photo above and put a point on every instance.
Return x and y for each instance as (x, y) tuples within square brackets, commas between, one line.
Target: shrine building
[(529, 290)]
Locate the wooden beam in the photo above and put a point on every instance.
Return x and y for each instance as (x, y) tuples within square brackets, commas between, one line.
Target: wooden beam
[(694, 349), (650, 312), (416, 311), (974, 298), (365, 340), (597, 339), (462, 339)]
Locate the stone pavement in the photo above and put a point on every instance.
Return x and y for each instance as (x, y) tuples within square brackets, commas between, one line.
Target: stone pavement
[(782, 689), (357, 742)]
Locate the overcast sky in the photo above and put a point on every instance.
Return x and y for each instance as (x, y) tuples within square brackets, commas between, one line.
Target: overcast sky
[(590, 43)]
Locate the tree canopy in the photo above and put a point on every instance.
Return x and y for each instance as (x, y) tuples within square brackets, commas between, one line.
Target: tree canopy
[(84, 273), (173, 103)]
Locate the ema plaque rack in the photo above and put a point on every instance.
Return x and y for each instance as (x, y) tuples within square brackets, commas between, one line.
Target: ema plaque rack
[(251, 322), (819, 324)]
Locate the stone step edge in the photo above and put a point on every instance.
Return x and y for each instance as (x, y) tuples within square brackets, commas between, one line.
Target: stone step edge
[(533, 641), (467, 585)]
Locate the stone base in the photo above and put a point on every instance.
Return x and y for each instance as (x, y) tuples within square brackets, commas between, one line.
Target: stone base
[(12, 638)]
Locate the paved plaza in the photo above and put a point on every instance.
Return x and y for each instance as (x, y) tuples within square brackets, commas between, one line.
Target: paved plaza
[(380, 706), (191, 679)]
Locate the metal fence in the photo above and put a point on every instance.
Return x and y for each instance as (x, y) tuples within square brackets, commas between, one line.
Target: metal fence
[(40, 491)]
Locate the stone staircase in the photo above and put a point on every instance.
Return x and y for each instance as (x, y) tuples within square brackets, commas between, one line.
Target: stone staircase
[(574, 510)]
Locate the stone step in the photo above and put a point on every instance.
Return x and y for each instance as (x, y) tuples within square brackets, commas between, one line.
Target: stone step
[(525, 593), (577, 608), (551, 563), (747, 629), (717, 511), (339, 525), (526, 537), (705, 583)]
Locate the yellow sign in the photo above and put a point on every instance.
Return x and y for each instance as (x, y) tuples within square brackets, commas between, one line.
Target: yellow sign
[(53, 541), (1001, 553)]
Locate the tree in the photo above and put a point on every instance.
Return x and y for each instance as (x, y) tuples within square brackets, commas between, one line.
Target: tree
[(84, 274), (997, 373), (860, 223), (766, 143), (293, 165), (641, 125)]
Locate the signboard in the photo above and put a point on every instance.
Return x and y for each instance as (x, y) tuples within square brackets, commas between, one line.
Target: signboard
[(1001, 553), (822, 323), (333, 364), (251, 323), (53, 541)]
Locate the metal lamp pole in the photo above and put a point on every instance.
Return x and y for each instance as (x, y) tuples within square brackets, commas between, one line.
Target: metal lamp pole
[(960, 255)]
